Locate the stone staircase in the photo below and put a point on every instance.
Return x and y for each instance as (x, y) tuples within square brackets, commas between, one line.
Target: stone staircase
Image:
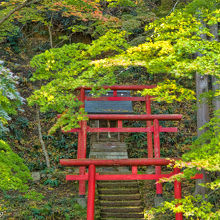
[(118, 200), (108, 150)]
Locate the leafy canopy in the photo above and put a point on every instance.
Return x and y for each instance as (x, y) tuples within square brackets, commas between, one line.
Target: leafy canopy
[(13, 173), (172, 49), (68, 68)]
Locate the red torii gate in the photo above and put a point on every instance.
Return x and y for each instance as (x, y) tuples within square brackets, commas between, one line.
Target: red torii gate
[(149, 129), (92, 176)]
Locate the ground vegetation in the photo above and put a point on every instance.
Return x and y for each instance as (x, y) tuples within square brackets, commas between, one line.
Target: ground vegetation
[(53, 47)]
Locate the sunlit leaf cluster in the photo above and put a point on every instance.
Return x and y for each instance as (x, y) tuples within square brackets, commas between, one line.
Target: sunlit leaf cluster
[(170, 91), (191, 207), (68, 68)]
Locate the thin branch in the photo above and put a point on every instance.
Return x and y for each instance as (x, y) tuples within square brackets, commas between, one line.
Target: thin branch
[(19, 7), (41, 139), (174, 7), (209, 194), (51, 37)]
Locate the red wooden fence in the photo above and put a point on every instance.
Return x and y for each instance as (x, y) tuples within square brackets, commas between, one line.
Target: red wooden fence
[(92, 176), (152, 127)]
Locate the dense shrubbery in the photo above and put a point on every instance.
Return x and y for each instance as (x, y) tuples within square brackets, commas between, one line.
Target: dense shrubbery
[(170, 48), (13, 173)]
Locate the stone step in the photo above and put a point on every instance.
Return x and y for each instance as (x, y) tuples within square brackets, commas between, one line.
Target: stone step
[(108, 145), (116, 149), (115, 170), (122, 218), (122, 215), (119, 197), (118, 191), (122, 210), (130, 203), (113, 184), (108, 157), (104, 154), (108, 151), (103, 137)]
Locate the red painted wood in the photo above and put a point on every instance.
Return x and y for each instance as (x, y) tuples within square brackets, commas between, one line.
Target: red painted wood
[(120, 124), (108, 177), (156, 139), (132, 177), (81, 151), (177, 193), (149, 124), (82, 188), (115, 93), (124, 87), (77, 177), (159, 188), (79, 141), (84, 138), (110, 98), (121, 129), (172, 117), (91, 193), (134, 169), (197, 176), (118, 129), (171, 129), (118, 162), (82, 97)]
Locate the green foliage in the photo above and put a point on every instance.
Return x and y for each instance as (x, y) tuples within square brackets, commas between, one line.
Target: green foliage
[(136, 144), (204, 155), (14, 174), (10, 27), (52, 182), (33, 195), (68, 68), (33, 207), (169, 91), (10, 99), (172, 46), (123, 3), (205, 151), (192, 207)]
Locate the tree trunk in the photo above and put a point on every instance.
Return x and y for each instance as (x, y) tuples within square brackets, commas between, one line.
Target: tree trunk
[(215, 86), (51, 37), (41, 139), (202, 119)]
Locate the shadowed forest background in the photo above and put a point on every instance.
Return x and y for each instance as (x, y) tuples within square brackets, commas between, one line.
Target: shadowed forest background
[(51, 47)]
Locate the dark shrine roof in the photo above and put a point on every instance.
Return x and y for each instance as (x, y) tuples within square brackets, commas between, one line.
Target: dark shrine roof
[(110, 107)]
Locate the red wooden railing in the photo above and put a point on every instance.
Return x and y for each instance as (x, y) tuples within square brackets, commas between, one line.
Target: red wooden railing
[(92, 176), (149, 129), (152, 126), (156, 129)]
